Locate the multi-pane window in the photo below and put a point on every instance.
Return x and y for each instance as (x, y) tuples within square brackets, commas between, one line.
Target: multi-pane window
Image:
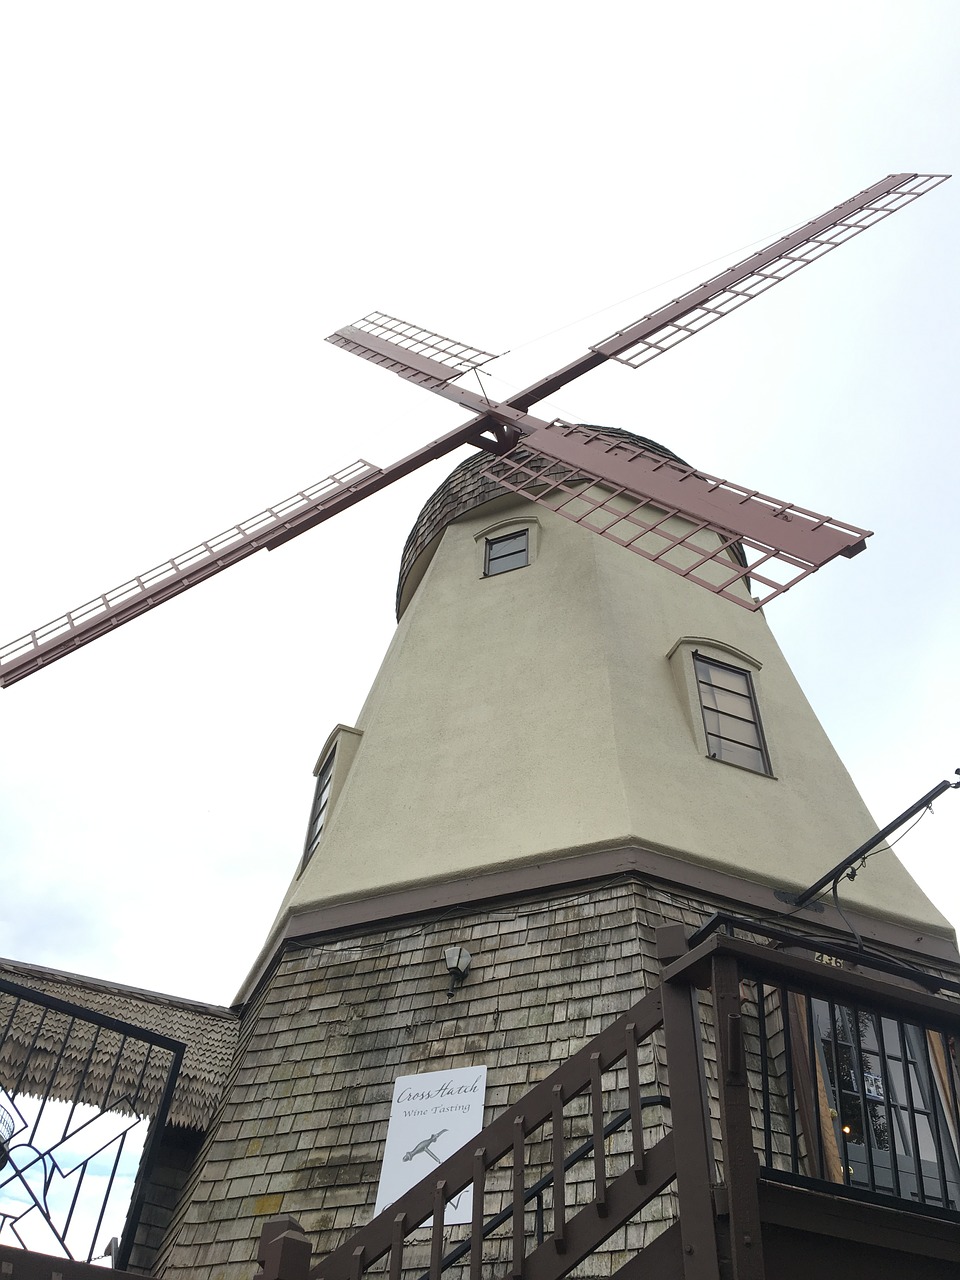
[(883, 1081), (509, 552), (730, 716), (321, 798), (865, 1096)]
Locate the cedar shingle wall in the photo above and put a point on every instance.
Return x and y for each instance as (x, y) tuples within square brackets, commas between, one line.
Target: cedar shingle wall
[(303, 1123), (169, 1175)]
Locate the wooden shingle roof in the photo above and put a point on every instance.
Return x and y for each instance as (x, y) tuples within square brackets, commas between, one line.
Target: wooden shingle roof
[(38, 1044), (466, 488)]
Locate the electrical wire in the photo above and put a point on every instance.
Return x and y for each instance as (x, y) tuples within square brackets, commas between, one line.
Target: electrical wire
[(887, 845), (570, 324), (851, 873), (852, 927), (767, 239)]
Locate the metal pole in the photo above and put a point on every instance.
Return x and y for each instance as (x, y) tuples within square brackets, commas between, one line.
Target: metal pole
[(836, 872)]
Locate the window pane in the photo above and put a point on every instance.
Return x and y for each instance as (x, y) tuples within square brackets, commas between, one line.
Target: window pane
[(734, 753), (737, 704), (505, 563), (730, 717), (321, 797), (742, 731), (725, 677), (510, 552), (503, 546), (868, 1032), (925, 1139)]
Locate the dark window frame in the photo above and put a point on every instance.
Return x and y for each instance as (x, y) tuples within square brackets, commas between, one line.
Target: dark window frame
[(744, 732), (319, 808), (876, 1091), (494, 562)]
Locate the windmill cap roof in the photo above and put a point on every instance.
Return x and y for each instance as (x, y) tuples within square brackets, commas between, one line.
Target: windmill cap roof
[(466, 488)]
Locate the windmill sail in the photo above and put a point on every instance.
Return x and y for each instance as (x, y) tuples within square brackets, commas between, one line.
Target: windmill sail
[(668, 326), (418, 354), (736, 542), (718, 534)]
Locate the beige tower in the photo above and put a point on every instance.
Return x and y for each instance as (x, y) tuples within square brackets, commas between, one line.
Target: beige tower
[(565, 749), (549, 703)]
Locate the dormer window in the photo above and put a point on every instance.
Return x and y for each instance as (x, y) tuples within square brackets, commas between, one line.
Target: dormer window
[(331, 771), (321, 799), (509, 552), (731, 719)]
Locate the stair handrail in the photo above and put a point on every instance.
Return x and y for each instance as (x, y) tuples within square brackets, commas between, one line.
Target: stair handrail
[(536, 1191), (575, 1076)]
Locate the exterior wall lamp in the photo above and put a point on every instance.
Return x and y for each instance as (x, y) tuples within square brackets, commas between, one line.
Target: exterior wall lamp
[(457, 960)]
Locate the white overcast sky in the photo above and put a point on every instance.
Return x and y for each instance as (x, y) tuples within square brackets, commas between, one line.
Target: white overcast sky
[(195, 194)]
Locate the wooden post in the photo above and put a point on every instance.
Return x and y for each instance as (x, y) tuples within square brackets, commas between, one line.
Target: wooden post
[(692, 1139), (740, 1169), (284, 1252)]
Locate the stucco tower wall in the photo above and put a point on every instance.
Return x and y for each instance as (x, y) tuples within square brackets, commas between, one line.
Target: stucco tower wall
[(551, 710)]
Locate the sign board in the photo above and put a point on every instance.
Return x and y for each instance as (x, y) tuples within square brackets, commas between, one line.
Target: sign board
[(431, 1117), (873, 1087)]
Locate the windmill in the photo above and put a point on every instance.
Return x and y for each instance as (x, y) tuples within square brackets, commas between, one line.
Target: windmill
[(556, 797), (732, 540)]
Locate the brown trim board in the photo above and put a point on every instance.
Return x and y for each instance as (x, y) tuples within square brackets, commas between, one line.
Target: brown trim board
[(537, 879), (858, 1222)]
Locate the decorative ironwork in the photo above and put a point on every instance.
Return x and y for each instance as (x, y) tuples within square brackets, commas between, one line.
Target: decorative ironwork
[(75, 1085), (6, 1129)]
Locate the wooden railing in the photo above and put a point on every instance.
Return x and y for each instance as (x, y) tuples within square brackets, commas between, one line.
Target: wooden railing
[(497, 1165)]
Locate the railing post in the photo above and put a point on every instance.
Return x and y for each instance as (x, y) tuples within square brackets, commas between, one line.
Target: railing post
[(740, 1168), (284, 1252), (518, 1243), (692, 1141)]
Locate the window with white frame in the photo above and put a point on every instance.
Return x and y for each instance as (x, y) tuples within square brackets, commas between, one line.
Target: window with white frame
[(731, 718)]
